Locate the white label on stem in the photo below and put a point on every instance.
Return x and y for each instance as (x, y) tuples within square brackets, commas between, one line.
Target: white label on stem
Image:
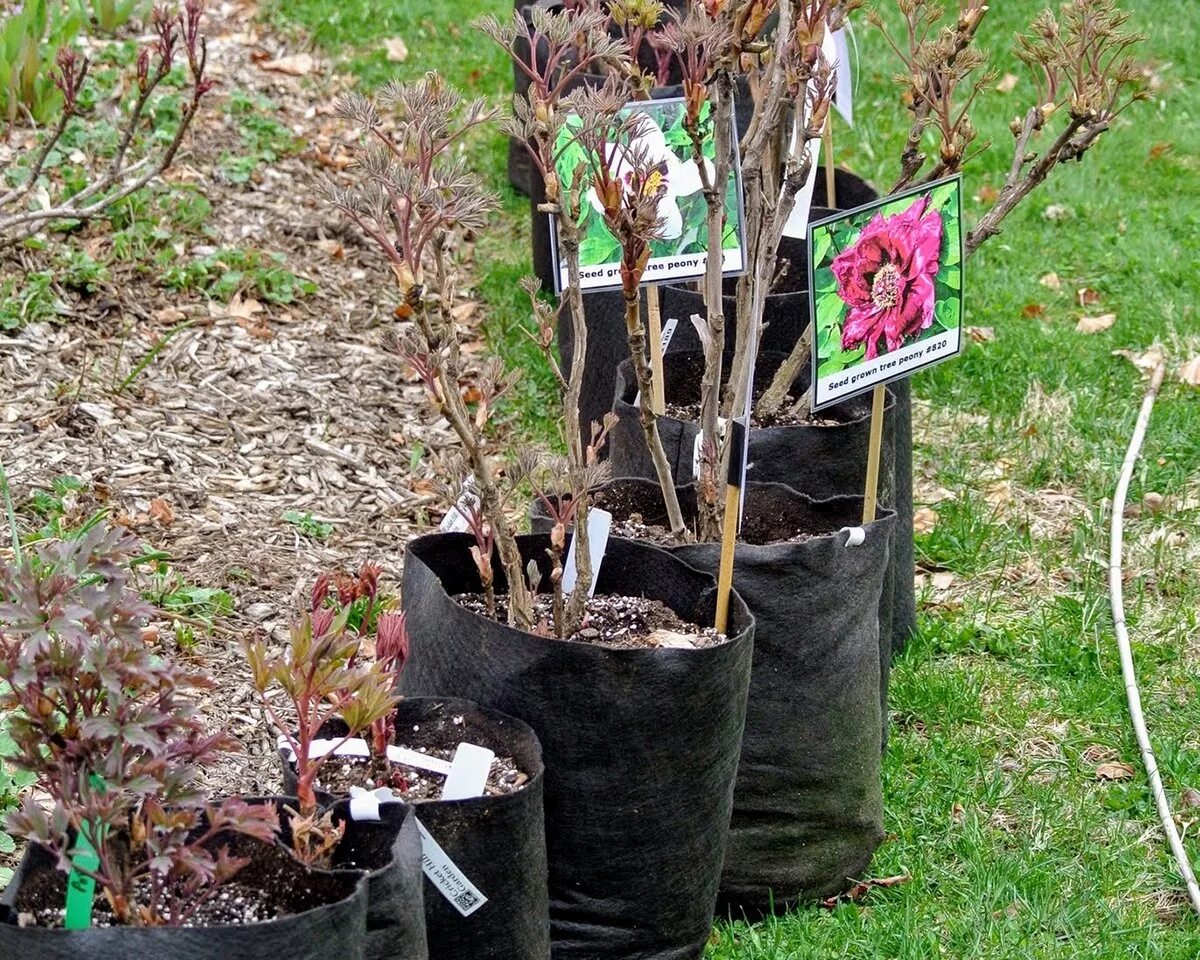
[(797, 221), (699, 441), (468, 772), (855, 536), (365, 804), (413, 758), (668, 332), (456, 521), (444, 874), (599, 526), (354, 747), (845, 76)]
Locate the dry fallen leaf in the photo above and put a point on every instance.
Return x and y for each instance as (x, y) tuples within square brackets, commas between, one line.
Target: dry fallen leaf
[(462, 312), (1146, 362), (1087, 297), (924, 520), (1190, 798), (943, 580), (672, 640), (1114, 771), (860, 890), (241, 309), (1057, 211), (1095, 324), (293, 65), (981, 334), (1160, 149), (1154, 501), (1051, 281), (1032, 311), (1189, 373), (161, 511), (169, 315), (333, 248), (397, 49), (1007, 83)]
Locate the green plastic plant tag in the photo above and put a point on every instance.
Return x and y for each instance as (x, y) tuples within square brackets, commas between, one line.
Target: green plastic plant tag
[(81, 889)]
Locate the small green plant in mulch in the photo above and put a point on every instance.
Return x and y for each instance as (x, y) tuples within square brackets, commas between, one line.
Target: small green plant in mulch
[(308, 525), (230, 270)]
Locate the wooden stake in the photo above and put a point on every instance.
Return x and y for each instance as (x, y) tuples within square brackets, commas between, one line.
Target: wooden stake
[(830, 185), (729, 532), (871, 495), (658, 393)]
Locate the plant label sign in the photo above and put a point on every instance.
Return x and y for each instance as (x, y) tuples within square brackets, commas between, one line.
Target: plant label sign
[(680, 252), (887, 290)]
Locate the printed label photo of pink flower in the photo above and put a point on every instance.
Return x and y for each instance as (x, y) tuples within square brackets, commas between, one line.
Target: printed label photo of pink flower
[(887, 279)]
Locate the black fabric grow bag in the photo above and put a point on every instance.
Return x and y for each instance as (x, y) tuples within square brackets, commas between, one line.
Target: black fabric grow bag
[(498, 843), (334, 931), (808, 807), (641, 745)]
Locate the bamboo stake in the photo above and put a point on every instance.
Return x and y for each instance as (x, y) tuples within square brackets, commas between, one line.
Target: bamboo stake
[(871, 495), (658, 393), (739, 431), (1117, 593)]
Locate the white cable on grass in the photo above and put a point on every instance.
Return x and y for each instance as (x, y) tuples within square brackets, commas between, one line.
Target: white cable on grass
[(1117, 594)]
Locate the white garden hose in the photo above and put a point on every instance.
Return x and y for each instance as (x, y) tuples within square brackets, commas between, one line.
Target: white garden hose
[(1117, 594)]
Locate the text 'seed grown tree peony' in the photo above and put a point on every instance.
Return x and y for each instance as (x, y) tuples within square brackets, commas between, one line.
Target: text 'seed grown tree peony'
[(887, 278)]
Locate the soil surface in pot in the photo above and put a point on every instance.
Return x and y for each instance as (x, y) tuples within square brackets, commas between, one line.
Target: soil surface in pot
[(635, 527), (690, 413), (410, 783), (271, 886), (622, 622)]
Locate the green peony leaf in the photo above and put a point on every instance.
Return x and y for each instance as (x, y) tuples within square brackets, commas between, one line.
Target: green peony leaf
[(829, 310), (599, 249), (824, 281), (948, 314), (942, 196), (822, 242)]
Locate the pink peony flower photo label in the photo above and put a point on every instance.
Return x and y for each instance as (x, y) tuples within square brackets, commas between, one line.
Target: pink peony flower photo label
[(886, 288)]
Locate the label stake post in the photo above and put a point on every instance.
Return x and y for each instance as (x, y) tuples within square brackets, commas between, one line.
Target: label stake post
[(658, 394), (830, 183), (729, 532), (872, 492)]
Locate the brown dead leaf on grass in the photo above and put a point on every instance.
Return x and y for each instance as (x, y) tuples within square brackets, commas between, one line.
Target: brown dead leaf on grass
[(160, 510), (1087, 297), (293, 65), (397, 49), (981, 334), (1095, 324), (924, 520), (1115, 771), (860, 890), (1147, 362), (1031, 311), (1189, 373), (1051, 281)]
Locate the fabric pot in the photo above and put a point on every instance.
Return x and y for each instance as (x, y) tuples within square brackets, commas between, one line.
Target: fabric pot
[(808, 806), (497, 843), (334, 930), (641, 745), (821, 460)]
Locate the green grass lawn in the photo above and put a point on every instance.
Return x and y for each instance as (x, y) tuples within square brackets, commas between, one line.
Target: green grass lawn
[(1011, 695)]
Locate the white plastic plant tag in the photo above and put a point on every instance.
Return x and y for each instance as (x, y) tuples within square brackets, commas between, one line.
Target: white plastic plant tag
[(455, 521), (354, 747), (797, 221), (844, 94), (855, 536), (696, 444), (414, 758), (365, 804), (442, 872), (668, 332), (468, 772), (599, 526)]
